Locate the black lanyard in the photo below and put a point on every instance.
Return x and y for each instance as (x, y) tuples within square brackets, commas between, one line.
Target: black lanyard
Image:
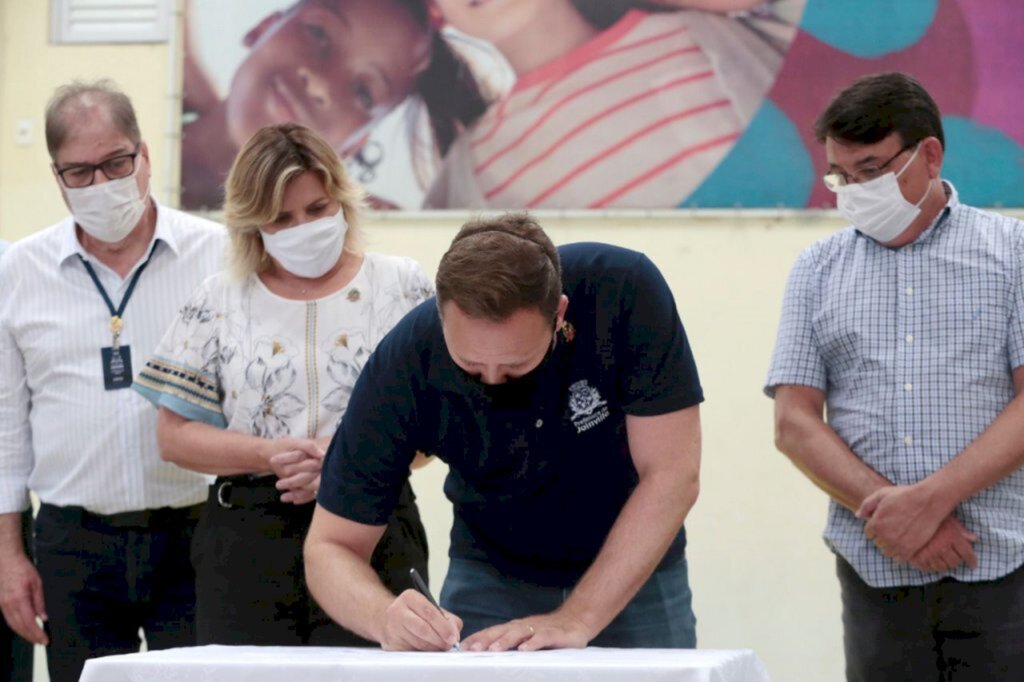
[(116, 313)]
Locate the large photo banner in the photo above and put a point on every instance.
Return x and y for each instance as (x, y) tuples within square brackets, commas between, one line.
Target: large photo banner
[(593, 104)]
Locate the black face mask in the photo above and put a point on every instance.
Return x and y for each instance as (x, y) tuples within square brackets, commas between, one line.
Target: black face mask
[(516, 392)]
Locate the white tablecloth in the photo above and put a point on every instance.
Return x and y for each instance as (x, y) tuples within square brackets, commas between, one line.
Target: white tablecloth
[(323, 664)]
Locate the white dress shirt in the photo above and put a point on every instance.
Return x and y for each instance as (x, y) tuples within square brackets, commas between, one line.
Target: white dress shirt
[(63, 435)]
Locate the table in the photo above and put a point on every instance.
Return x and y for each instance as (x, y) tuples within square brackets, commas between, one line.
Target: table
[(325, 664)]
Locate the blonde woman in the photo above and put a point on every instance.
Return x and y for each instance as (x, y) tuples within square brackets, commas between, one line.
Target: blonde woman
[(253, 376)]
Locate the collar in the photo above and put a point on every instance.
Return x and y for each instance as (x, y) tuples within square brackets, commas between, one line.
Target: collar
[(952, 203), (71, 247)]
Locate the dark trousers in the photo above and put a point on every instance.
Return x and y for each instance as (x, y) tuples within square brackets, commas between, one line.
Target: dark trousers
[(250, 577), (946, 630), (105, 577), (15, 652)]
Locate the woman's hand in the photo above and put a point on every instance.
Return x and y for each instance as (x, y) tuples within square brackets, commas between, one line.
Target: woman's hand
[(297, 469)]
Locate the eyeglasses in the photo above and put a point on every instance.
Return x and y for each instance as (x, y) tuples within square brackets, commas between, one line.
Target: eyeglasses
[(838, 179), (114, 168)]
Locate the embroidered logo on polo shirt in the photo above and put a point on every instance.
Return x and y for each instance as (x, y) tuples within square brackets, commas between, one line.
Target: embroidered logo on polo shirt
[(588, 410)]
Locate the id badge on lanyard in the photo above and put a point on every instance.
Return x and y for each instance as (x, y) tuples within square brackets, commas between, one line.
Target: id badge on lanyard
[(116, 359)]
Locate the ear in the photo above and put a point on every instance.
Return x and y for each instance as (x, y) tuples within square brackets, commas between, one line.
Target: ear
[(434, 15), (257, 31), (933, 153), (563, 305)]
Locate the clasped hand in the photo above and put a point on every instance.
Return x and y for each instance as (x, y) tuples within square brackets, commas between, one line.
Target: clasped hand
[(906, 526), (297, 466)]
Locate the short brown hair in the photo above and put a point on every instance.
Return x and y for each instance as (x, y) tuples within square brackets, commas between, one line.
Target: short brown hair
[(274, 156), (68, 101), (496, 266), (874, 107)]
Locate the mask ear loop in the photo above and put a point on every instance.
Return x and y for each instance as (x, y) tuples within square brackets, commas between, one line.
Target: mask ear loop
[(928, 189)]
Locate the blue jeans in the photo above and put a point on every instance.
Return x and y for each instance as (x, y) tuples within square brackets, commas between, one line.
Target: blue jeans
[(659, 616)]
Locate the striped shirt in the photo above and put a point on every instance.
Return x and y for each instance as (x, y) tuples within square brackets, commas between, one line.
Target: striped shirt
[(914, 349), (637, 117), (61, 434)]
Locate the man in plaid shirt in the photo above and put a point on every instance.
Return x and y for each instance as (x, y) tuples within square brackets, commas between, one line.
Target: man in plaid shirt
[(907, 328)]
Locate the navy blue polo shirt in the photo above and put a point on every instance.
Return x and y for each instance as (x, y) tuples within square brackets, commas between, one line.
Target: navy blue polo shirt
[(535, 486)]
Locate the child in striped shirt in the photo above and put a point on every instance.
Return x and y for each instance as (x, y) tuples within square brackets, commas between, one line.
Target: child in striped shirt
[(634, 115)]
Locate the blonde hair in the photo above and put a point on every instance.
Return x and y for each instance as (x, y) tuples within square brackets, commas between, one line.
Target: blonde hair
[(274, 156)]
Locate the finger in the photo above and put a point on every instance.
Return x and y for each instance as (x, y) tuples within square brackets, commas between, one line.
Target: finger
[(422, 624), (38, 603), (297, 481), (446, 626), (287, 457), (512, 637), (22, 619), (310, 448), (482, 640), (532, 642), (871, 530), (39, 611), (308, 465), (868, 506), (965, 552), (950, 560)]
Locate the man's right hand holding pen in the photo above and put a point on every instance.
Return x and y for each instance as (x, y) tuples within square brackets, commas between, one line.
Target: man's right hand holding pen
[(415, 621)]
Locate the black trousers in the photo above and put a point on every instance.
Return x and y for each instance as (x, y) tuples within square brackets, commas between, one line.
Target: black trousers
[(15, 652), (105, 577), (250, 577), (946, 631)]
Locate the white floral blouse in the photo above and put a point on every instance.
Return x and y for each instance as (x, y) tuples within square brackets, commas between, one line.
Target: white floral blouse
[(241, 357)]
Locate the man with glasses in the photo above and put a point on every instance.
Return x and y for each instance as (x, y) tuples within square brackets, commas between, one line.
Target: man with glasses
[(82, 301), (909, 327)]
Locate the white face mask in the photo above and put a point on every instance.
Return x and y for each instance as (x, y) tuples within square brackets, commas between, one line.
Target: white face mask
[(311, 249), (877, 207), (110, 210)]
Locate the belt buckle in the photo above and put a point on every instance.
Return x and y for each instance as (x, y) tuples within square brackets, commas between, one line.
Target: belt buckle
[(221, 488)]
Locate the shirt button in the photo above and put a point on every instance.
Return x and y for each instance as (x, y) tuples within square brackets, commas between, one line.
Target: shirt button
[(910, 291), (908, 387), (910, 338), (539, 423), (908, 440)]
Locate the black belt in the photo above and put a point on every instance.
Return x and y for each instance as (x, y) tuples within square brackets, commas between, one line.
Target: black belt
[(246, 491), (143, 518)]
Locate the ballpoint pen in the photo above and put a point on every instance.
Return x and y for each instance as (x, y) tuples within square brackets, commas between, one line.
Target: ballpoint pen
[(421, 587)]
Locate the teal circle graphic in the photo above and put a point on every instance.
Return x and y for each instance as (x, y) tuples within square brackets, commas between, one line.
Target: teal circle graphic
[(983, 163), (868, 28), (767, 168)]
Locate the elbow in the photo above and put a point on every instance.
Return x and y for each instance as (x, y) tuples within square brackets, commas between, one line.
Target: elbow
[(689, 491), (165, 441), (167, 453), (787, 432), (692, 493)]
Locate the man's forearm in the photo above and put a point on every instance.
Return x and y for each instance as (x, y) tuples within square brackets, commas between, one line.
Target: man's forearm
[(817, 450), (346, 587), (12, 542), (995, 454), (637, 542)]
